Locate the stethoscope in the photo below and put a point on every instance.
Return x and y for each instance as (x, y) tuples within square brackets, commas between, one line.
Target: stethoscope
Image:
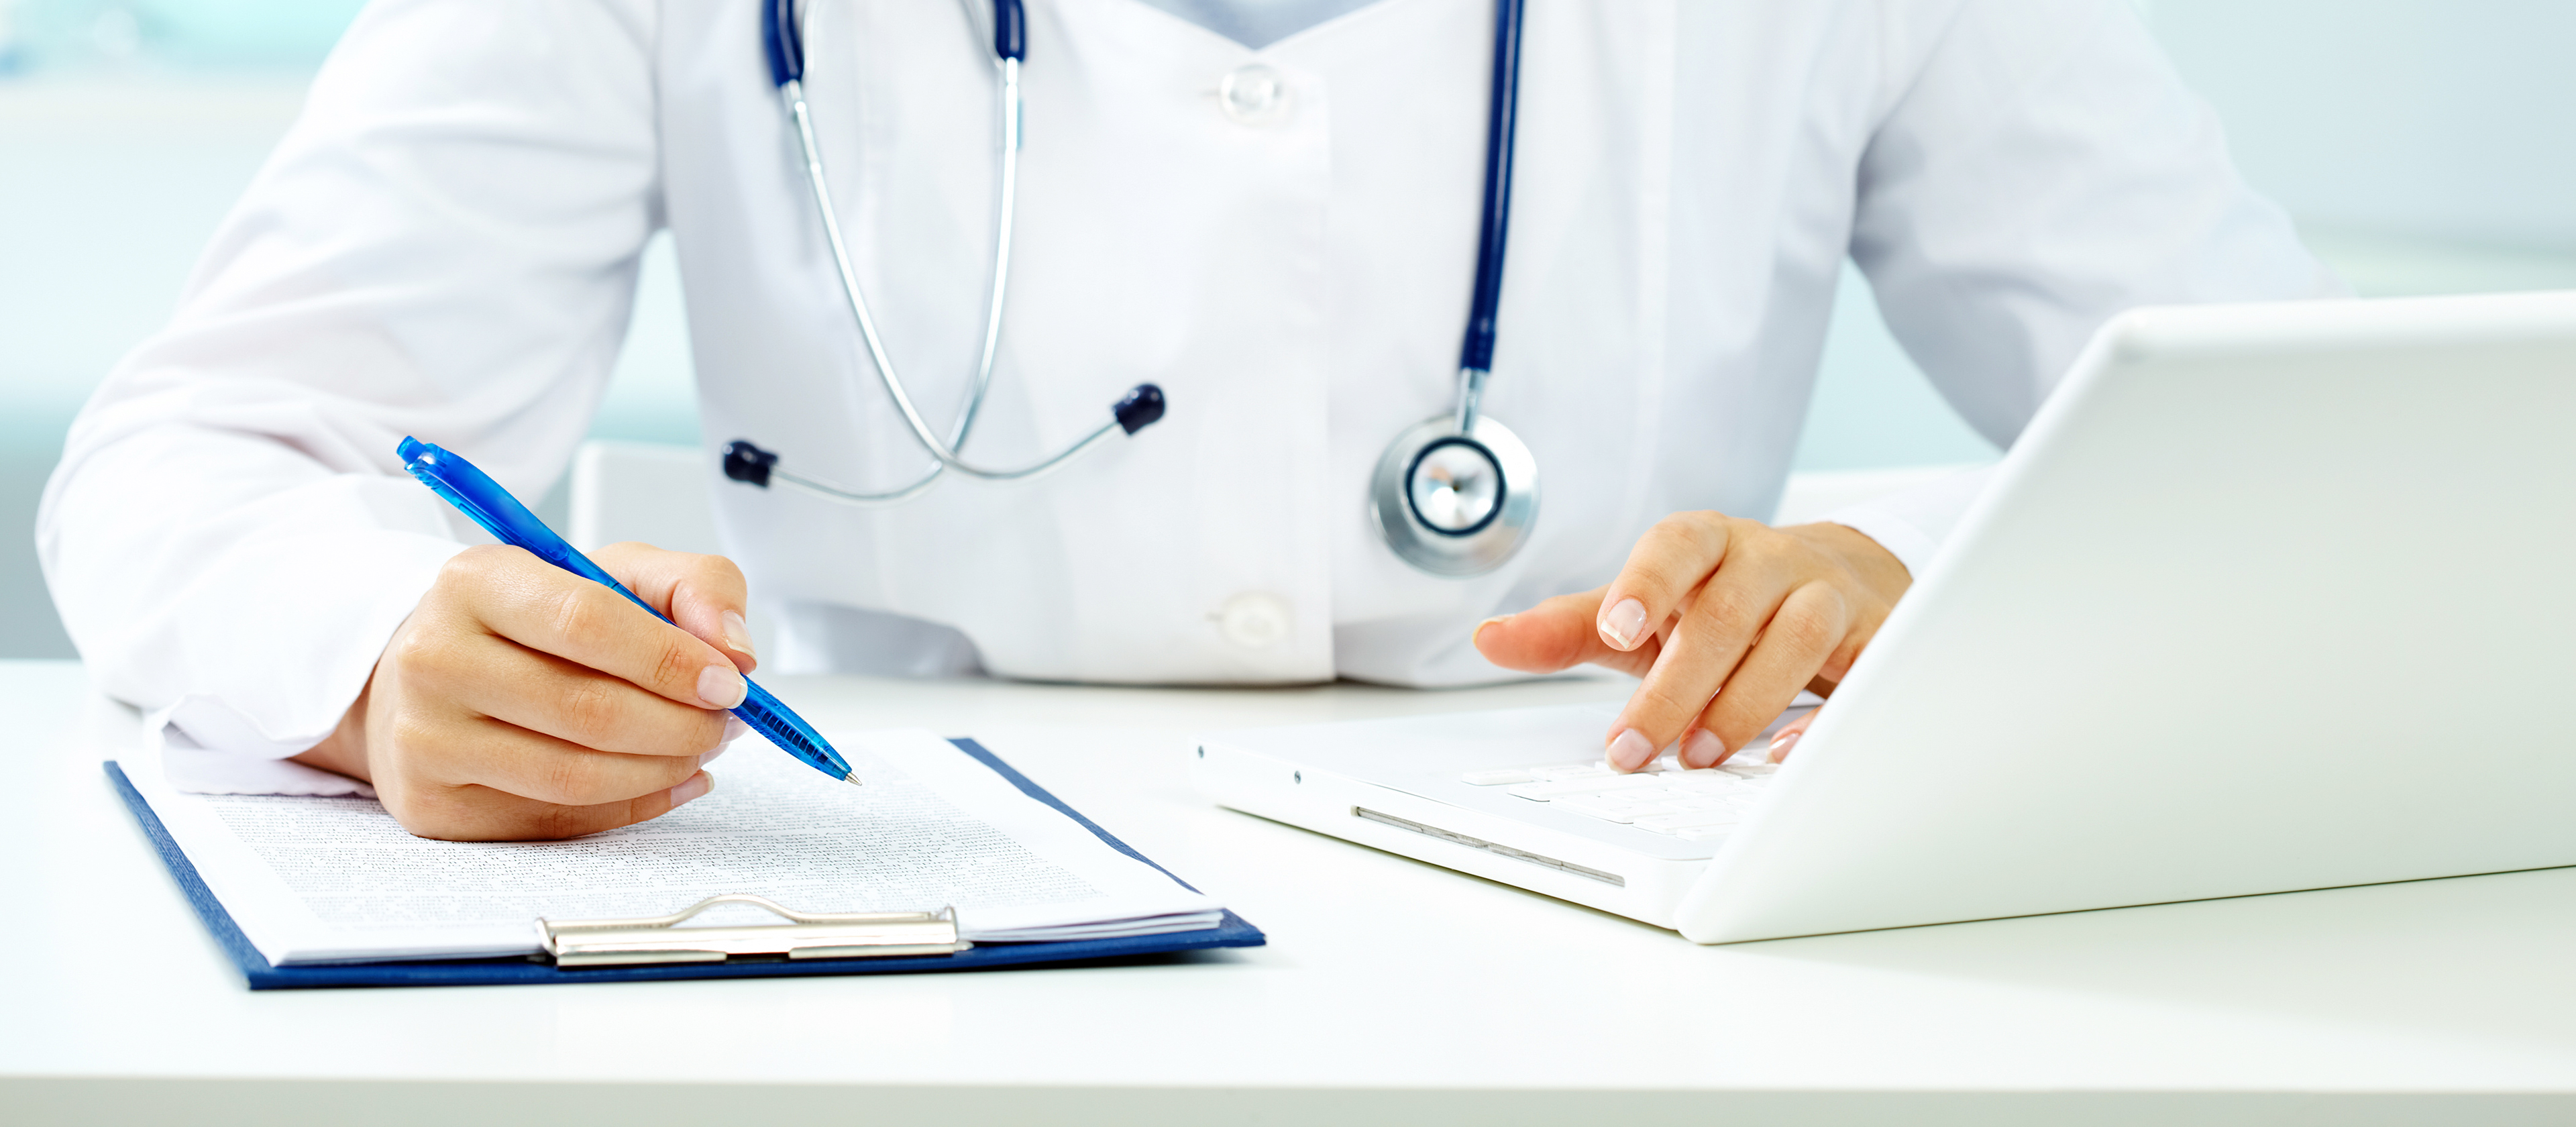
[(1453, 495)]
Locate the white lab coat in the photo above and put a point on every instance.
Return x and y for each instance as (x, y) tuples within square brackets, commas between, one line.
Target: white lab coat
[(446, 243)]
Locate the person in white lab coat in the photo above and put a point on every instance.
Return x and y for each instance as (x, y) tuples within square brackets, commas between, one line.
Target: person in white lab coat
[(446, 244)]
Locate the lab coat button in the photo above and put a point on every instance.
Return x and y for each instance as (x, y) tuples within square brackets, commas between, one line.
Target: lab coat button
[(1253, 95), (1253, 620)]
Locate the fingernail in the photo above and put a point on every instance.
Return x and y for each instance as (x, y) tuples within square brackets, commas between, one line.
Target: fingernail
[(1631, 750), (697, 786), (737, 634), (1479, 631), (1780, 744), (734, 729), (1622, 623), (1701, 748), (721, 687), (710, 757)]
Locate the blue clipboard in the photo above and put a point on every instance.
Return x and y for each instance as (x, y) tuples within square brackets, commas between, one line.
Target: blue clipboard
[(1232, 931)]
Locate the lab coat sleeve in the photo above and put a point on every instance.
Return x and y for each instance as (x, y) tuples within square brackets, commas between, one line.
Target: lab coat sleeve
[(2039, 167), (444, 244)]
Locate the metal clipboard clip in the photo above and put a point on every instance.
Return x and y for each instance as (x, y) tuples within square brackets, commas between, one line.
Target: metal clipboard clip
[(809, 935)]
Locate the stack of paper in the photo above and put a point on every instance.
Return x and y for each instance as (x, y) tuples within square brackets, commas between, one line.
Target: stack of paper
[(316, 880)]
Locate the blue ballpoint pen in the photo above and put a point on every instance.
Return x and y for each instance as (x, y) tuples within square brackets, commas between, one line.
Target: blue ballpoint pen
[(491, 506)]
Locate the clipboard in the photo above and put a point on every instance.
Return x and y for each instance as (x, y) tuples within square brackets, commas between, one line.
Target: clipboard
[(832, 941)]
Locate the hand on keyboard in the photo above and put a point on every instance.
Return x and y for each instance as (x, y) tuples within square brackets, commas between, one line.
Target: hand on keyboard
[(1665, 798), (1709, 601)]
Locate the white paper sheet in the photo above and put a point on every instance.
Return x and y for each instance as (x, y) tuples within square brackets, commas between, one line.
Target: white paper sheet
[(338, 880)]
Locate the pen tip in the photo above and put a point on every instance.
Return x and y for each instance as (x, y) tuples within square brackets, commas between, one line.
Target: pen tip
[(853, 780)]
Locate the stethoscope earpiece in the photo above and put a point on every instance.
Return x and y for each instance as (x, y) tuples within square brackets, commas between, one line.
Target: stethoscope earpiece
[(1141, 407), (748, 464)]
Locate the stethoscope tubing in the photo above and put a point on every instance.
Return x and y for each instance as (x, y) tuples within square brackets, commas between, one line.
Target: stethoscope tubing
[(1502, 112), (855, 296), (1502, 117), (1008, 208), (783, 40), (831, 492)]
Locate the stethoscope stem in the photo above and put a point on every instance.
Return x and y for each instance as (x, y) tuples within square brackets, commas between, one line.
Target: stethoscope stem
[(1471, 398)]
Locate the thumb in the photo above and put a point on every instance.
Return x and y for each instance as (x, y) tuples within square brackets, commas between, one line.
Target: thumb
[(704, 595)]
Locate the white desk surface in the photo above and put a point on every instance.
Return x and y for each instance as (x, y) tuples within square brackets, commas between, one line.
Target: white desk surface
[(1391, 991)]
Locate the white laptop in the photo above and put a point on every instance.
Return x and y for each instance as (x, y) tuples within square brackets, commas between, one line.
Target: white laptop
[(2268, 597)]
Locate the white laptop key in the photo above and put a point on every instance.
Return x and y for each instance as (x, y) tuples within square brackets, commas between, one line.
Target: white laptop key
[(1663, 794), (1668, 775), (1565, 788), (1612, 808), (1691, 833), (1689, 820)]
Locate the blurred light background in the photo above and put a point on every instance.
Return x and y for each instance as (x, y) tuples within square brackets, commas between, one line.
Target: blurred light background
[(2426, 146)]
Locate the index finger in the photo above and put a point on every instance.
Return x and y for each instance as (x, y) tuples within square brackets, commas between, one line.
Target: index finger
[(704, 595), (1669, 562), (528, 601)]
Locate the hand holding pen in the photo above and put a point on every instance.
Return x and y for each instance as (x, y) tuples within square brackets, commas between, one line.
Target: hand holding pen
[(524, 700)]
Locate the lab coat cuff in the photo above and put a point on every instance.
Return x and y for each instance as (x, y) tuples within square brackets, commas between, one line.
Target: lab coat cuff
[(194, 769), (290, 696), (1911, 546), (1912, 524)]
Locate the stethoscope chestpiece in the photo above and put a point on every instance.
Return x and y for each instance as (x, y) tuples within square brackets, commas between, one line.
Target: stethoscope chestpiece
[(1455, 504)]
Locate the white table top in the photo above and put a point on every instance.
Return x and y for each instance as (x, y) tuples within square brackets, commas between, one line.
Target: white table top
[(1391, 991)]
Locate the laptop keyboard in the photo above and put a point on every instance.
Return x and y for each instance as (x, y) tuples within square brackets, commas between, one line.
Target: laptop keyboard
[(1664, 798)]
